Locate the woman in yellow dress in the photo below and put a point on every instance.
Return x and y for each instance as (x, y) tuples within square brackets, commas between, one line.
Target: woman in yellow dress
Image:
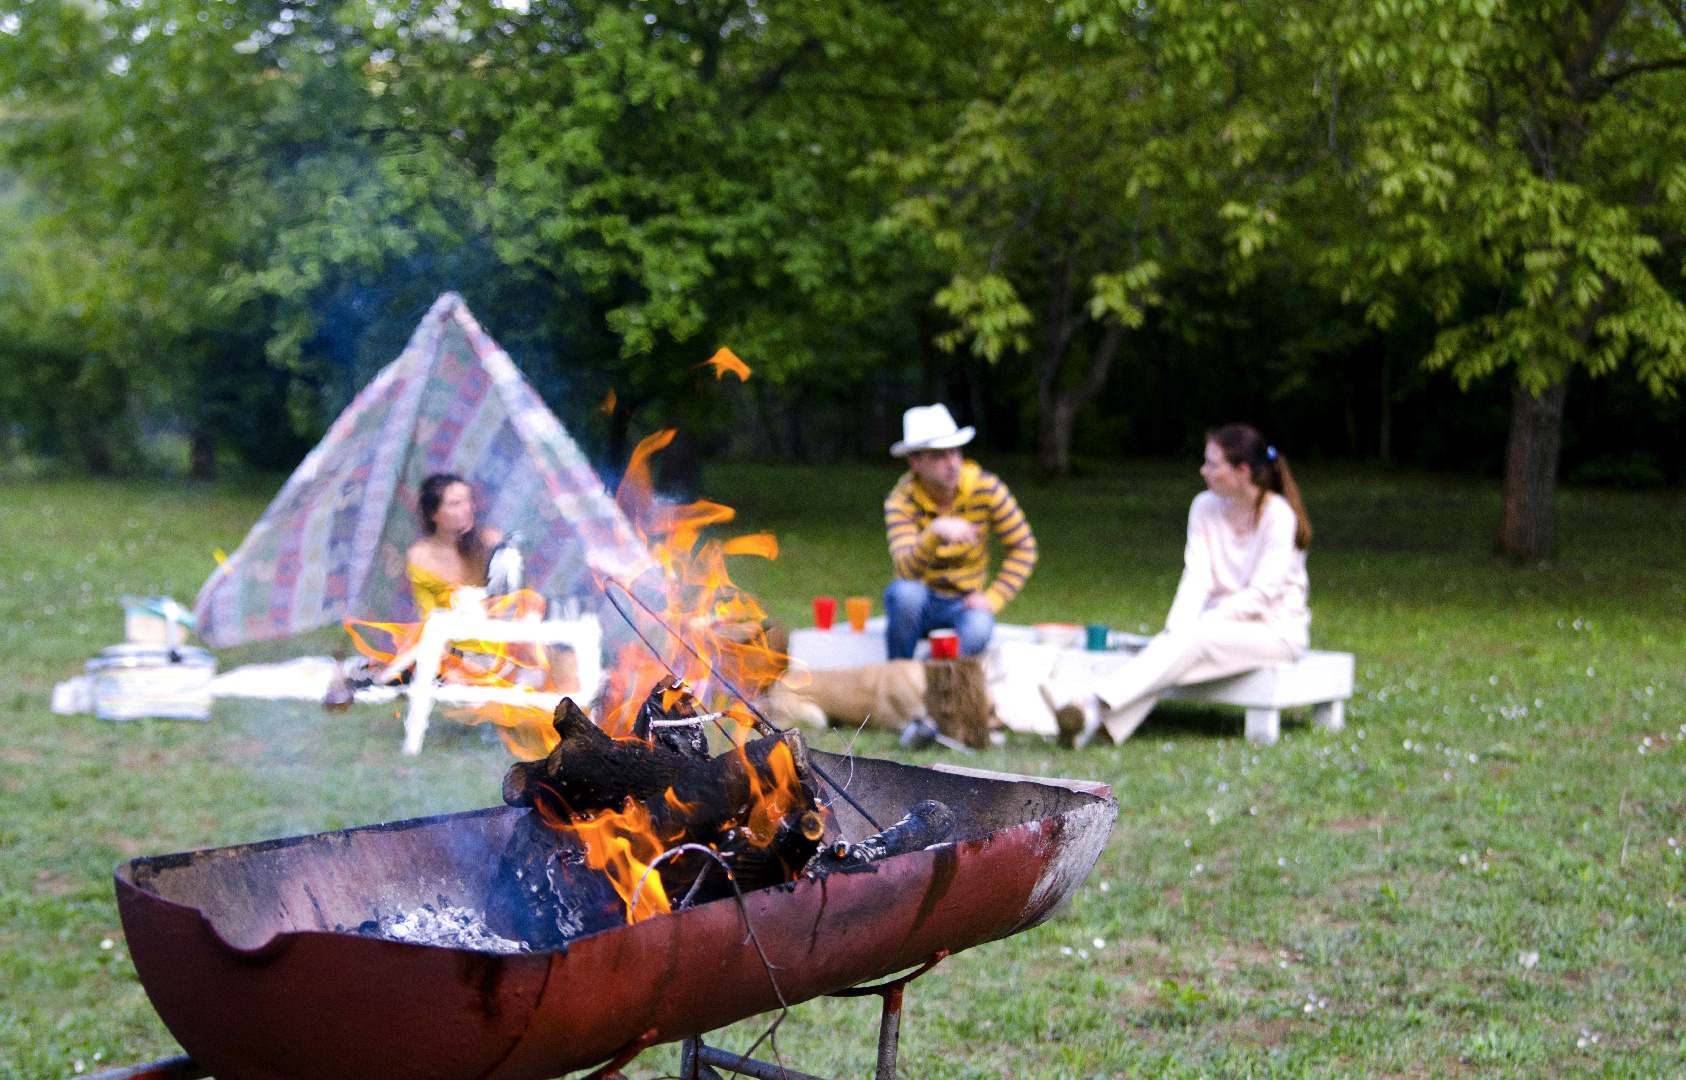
[(453, 550)]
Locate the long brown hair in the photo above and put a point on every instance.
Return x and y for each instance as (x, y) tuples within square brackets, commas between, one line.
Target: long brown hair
[(469, 545), (1243, 445)]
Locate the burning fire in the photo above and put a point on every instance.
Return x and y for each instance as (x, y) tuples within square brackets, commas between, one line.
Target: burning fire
[(721, 623), (696, 598), (622, 844)]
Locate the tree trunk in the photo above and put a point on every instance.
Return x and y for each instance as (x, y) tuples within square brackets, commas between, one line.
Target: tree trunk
[(1384, 439), (1536, 430), (1060, 409), (975, 375), (203, 459)]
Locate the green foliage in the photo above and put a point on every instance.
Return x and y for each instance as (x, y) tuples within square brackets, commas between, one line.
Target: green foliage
[(1524, 168), (197, 190)]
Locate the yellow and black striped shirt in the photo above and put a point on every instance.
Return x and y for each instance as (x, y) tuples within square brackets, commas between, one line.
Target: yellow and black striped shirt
[(960, 568)]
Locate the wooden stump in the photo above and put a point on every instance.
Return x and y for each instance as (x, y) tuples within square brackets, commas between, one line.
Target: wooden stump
[(957, 698)]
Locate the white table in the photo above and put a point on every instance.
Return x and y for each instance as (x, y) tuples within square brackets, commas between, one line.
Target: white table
[(1017, 664)]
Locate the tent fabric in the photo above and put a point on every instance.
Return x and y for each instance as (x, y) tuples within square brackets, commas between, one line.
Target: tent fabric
[(331, 546)]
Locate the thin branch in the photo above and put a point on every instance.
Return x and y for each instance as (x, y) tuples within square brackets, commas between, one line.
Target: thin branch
[(769, 83), (1614, 77)]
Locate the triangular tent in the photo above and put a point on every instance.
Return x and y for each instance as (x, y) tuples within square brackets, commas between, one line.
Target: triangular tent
[(332, 544)]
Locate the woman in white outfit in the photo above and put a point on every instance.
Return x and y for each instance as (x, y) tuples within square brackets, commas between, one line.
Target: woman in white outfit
[(1241, 603)]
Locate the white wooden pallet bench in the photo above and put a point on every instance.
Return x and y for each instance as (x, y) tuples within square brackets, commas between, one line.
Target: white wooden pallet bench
[(1322, 680)]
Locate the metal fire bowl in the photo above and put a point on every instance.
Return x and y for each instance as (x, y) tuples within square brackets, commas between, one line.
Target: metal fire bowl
[(240, 949)]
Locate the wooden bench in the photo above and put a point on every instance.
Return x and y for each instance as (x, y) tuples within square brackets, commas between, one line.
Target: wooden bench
[(1320, 679)]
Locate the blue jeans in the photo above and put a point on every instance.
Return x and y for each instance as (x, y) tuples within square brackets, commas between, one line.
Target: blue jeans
[(911, 610)]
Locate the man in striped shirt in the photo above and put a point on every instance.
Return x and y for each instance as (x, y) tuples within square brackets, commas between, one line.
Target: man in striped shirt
[(939, 517)]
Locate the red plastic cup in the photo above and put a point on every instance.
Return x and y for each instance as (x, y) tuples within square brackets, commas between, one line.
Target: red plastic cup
[(945, 645), (825, 610)]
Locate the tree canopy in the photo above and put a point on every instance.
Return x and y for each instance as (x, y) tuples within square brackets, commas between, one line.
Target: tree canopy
[(226, 214)]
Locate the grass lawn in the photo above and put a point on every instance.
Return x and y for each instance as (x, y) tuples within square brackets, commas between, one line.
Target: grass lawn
[(1479, 877)]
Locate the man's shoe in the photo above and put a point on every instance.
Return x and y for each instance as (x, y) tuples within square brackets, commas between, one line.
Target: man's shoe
[(1076, 717)]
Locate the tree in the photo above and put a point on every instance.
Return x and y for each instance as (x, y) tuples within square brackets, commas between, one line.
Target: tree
[(1121, 150), (1525, 169), (631, 184), (683, 172)]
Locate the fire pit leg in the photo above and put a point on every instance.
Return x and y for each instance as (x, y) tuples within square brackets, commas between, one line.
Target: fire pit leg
[(695, 1058), (889, 1033), (890, 1020), (691, 1064)]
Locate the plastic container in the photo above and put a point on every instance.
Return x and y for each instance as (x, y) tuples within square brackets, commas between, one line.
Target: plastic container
[(1060, 635), (859, 609), (945, 645), (135, 681), (825, 610)]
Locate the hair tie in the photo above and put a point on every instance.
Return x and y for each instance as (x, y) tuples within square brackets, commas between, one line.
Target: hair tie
[(1270, 452)]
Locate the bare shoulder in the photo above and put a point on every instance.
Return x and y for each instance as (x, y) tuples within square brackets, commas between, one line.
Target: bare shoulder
[(490, 537), (422, 554)]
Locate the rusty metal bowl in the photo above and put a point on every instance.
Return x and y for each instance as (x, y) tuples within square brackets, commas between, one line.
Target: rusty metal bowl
[(246, 953)]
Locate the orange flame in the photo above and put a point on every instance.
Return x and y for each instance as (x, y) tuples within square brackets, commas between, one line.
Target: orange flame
[(623, 845), (769, 806), (699, 601), (695, 598), (726, 360)]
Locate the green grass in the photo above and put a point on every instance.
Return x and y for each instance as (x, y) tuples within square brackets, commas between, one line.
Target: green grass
[(1392, 890)]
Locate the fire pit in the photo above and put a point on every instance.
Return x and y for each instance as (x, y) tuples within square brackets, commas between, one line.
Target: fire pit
[(304, 957)]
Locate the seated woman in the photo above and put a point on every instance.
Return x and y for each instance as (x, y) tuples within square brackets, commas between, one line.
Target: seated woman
[(453, 550), (1241, 603)]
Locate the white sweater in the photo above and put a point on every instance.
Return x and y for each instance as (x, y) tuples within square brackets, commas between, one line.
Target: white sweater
[(1256, 575)]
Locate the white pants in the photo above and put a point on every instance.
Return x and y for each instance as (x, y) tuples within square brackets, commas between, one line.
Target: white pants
[(1210, 649)]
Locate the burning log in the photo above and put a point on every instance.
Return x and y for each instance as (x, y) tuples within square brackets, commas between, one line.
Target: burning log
[(588, 770), (670, 717), (928, 823), (546, 893), (610, 810)]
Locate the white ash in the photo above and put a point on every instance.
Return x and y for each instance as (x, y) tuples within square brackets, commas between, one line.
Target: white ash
[(448, 926)]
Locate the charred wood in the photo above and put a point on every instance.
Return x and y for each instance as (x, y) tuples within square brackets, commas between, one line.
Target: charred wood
[(753, 804), (661, 720), (588, 770), (544, 893), (928, 823)]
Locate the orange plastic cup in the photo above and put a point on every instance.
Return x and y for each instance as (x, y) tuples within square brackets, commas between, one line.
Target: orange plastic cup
[(825, 610), (945, 645), (859, 608)]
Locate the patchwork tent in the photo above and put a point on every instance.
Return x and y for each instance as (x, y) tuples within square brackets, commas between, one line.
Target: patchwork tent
[(331, 546)]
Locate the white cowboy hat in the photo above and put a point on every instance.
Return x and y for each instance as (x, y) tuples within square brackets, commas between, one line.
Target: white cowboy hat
[(930, 427)]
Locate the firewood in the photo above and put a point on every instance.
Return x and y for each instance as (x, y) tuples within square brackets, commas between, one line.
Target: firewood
[(721, 802), (671, 701), (928, 823), (544, 893), (589, 771)]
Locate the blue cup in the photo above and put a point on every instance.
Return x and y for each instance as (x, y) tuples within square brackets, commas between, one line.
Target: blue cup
[(1097, 636)]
